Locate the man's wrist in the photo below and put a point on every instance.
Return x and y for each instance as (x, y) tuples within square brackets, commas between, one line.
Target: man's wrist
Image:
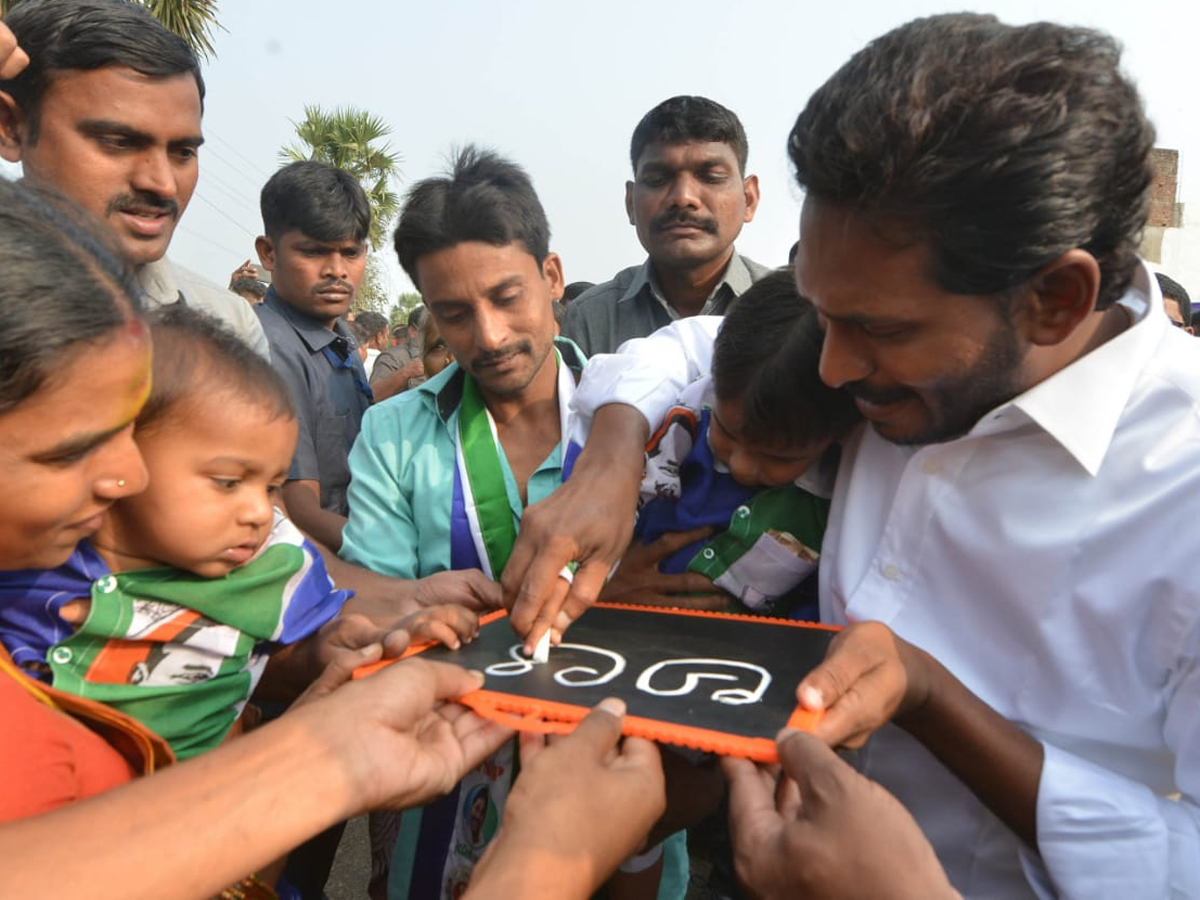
[(514, 869)]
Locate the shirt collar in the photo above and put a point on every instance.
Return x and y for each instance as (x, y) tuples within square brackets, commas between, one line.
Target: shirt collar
[(1081, 405), (315, 335), (158, 283), (734, 281)]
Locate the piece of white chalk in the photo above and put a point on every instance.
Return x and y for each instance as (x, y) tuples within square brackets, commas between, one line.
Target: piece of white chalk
[(541, 652)]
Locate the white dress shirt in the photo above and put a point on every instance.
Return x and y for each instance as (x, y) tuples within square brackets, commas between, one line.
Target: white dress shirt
[(1044, 558)]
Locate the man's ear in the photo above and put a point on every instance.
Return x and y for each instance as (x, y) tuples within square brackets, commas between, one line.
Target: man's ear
[(266, 252), (552, 271), (1060, 297), (12, 129), (750, 187), (629, 201)]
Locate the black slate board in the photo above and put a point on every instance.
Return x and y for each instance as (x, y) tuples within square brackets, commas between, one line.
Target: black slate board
[(662, 663)]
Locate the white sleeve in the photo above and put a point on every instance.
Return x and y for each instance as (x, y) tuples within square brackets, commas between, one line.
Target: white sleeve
[(648, 373), (1101, 834)]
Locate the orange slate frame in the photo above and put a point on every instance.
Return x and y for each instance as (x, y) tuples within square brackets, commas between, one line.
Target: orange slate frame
[(551, 717)]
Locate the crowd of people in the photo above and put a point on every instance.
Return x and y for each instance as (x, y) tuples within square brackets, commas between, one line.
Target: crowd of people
[(958, 423)]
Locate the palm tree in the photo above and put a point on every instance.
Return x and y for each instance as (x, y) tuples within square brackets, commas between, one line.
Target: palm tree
[(348, 138), (192, 20)]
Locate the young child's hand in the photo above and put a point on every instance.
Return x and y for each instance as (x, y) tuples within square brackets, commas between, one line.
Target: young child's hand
[(638, 581), (291, 670), (449, 623)]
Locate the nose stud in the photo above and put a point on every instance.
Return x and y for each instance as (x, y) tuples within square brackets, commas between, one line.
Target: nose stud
[(120, 482)]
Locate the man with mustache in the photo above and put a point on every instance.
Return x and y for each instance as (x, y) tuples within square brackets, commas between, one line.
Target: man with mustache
[(688, 201), (443, 472), (316, 218), (107, 113), (1023, 635)]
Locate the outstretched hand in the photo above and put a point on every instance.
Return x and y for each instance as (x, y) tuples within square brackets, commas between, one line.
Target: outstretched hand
[(588, 521), (823, 831), (449, 623), (582, 804), (868, 677), (396, 734), (638, 580)]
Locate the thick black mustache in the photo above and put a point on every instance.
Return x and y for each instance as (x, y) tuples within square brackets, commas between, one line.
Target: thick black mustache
[(877, 396), (670, 219), (331, 284), (144, 200)]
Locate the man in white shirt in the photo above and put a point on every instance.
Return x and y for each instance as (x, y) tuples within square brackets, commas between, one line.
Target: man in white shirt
[(1003, 536)]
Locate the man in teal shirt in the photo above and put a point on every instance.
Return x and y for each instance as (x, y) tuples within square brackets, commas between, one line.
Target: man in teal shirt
[(440, 475)]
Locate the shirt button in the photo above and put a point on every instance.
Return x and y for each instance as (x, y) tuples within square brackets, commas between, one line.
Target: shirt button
[(107, 584), (742, 512), (61, 655), (931, 467), (892, 573), (708, 553)]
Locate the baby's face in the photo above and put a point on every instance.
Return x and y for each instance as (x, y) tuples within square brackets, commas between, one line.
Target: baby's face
[(756, 465), (216, 469)]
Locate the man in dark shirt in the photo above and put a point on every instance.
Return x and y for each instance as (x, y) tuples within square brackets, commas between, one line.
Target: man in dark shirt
[(688, 201), (316, 219)]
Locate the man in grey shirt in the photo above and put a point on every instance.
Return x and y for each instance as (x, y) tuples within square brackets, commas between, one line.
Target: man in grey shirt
[(316, 219), (399, 368), (688, 201)]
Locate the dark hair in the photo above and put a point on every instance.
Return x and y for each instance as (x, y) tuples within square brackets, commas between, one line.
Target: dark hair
[(483, 197), (416, 316), (248, 286), (574, 289), (64, 284), (197, 356), (371, 323), (1003, 147), (767, 355), (1173, 290), (321, 201), (83, 35), (684, 119)]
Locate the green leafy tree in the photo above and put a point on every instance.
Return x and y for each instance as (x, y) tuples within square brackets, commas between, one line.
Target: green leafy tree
[(192, 20), (405, 304), (350, 138)]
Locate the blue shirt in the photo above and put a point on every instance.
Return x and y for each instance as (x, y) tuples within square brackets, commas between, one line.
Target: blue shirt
[(330, 399)]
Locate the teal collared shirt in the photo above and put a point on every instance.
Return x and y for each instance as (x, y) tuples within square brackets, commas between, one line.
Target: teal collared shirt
[(402, 477)]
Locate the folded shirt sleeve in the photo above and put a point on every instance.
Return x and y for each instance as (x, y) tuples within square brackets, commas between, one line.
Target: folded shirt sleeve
[(648, 373)]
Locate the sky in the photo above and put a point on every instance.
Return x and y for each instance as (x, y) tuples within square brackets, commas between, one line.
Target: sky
[(558, 86)]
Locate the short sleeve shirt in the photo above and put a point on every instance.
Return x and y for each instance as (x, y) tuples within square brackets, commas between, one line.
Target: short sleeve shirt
[(330, 399)]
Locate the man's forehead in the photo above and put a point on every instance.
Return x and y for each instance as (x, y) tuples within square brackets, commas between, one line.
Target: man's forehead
[(848, 259), (686, 154), (296, 237), (110, 81), (127, 98)]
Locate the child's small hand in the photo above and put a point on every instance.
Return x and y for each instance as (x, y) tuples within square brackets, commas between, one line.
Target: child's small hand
[(637, 579), (449, 623), (350, 633), (339, 644)]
